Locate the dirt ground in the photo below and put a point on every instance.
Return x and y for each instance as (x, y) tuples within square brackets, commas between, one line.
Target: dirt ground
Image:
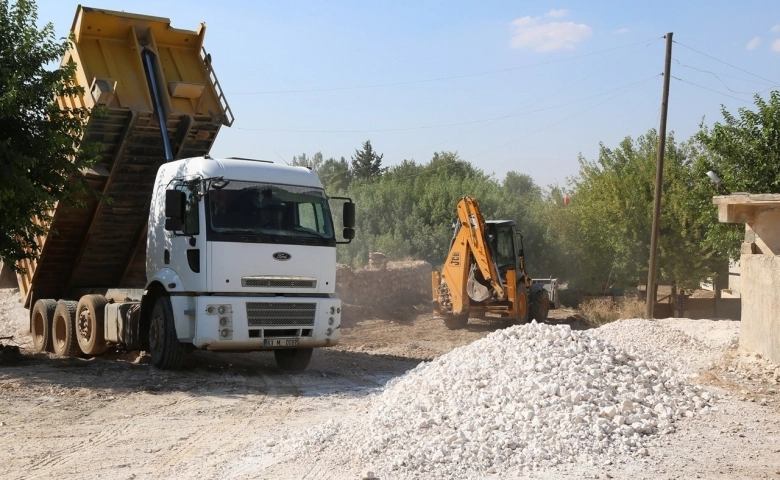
[(117, 417)]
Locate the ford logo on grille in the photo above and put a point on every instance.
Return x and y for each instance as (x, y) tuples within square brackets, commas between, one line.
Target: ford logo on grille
[(282, 256)]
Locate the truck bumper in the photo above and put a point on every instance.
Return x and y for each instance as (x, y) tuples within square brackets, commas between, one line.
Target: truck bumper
[(258, 323)]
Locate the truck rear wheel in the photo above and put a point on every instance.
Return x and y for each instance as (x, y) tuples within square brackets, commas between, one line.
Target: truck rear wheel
[(540, 305), (293, 359), (63, 329), (40, 324), (90, 324), (164, 347)]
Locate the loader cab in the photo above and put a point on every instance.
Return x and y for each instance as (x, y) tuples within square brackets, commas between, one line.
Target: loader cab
[(506, 245)]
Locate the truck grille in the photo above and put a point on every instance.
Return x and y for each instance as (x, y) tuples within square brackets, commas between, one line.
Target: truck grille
[(262, 314), (279, 282)]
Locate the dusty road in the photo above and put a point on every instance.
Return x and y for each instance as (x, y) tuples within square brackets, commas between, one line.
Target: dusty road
[(117, 417)]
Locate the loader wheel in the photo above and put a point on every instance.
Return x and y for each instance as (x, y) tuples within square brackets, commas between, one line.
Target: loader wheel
[(522, 305), (293, 359), (63, 329), (90, 324), (164, 347), (40, 324), (455, 322), (540, 305)]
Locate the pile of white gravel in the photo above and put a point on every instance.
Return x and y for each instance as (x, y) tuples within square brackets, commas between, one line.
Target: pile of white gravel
[(687, 346), (523, 398)]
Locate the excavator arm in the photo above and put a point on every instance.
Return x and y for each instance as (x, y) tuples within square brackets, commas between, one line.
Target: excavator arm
[(470, 242)]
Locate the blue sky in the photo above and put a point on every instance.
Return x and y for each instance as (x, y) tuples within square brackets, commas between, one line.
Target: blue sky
[(508, 85)]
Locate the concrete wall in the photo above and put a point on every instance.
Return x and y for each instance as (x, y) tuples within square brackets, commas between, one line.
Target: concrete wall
[(760, 327), (398, 283)]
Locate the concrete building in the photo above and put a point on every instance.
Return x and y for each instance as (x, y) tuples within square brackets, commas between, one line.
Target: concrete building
[(760, 269)]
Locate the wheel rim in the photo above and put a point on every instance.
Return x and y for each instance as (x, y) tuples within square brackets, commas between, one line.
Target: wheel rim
[(522, 305), (38, 328), (155, 332), (85, 324), (59, 332)]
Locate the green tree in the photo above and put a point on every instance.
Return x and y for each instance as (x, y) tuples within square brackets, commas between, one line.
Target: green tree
[(335, 175), (611, 216), (314, 163), (745, 152), (40, 143), (745, 149), (409, 212), (366, 163)]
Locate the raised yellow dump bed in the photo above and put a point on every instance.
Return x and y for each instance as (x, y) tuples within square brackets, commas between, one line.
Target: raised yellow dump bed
[(103, 245)]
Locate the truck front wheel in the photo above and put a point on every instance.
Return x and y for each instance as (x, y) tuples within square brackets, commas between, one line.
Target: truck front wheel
[(293, 359), (164, 347)]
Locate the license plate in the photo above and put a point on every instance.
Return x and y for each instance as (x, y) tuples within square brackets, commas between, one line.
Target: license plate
[(280, 342)]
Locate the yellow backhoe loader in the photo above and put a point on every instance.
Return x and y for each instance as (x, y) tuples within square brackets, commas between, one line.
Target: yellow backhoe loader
[(484, 272)]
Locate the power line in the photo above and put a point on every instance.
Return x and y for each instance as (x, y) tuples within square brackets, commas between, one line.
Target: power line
[(567, 118), (526, 106), (470, 122), (711, 90), (625, 90), (439, 79), (725, 63), (724, 83)]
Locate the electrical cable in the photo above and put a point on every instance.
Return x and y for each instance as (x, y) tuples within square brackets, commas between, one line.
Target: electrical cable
[(470, 122), (567, 118), (725, 63), (438, 79), (526, 106), (625, 90), (711, 90), (724, 83)]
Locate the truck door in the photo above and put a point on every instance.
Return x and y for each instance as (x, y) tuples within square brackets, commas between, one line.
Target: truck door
[(185, 248)]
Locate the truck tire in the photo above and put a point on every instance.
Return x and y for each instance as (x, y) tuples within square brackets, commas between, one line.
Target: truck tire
[(455, 322), (40, 324), (540, 305), (164, 347), (63, 329), (90, 324), (293, 359)]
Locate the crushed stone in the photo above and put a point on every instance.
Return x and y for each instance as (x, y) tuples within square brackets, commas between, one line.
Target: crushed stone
[(520, 399)]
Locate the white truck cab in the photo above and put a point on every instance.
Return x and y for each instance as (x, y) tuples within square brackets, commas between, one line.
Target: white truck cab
[(241, 255)]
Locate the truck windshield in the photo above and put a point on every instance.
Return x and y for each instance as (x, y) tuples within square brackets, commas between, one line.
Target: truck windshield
[(248, 211)]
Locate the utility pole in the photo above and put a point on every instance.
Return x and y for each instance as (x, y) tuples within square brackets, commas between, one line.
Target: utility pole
[(659, 180)]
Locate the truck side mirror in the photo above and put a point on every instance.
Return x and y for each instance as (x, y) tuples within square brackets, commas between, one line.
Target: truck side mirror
[(174, 210), (349, 233), (349, 218)]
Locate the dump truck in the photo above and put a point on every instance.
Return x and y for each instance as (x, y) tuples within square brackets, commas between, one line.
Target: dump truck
[(180, 251), (484, 273)]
